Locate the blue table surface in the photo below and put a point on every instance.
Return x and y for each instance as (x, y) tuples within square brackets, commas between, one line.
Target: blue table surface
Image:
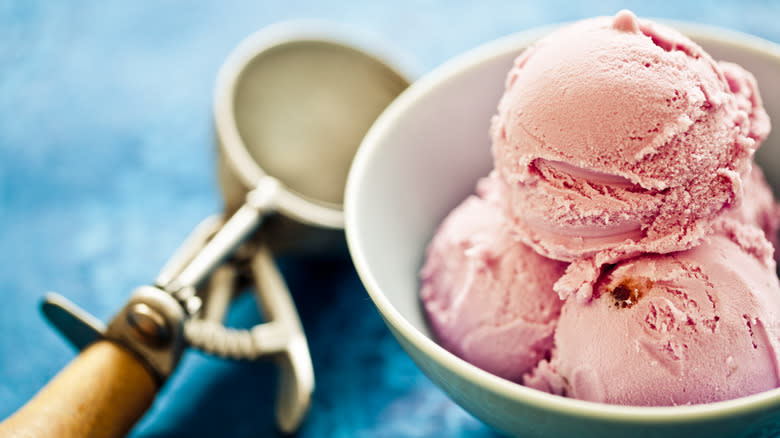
[(107, 163)]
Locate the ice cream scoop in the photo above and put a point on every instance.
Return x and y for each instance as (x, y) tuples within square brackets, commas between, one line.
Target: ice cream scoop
[(688, 327), (619, 136), (292, 103), (489, 298)]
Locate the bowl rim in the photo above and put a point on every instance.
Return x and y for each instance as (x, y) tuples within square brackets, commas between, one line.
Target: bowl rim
[(510, 390)]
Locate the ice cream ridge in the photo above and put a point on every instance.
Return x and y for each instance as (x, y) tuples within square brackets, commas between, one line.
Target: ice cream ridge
[(622, 250)]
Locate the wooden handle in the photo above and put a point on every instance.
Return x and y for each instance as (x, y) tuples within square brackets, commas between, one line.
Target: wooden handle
[(102, 393)]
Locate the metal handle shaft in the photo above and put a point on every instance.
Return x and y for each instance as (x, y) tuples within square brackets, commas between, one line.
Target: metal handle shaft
[(259, 201)]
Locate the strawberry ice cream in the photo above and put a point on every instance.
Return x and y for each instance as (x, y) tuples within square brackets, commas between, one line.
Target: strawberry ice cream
[(696, 326), (488, 296), (620, 136), (623, 248)]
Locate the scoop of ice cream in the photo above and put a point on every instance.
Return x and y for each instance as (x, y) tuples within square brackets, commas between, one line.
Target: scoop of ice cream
[(619, 136), (688, 327), (489, 297)]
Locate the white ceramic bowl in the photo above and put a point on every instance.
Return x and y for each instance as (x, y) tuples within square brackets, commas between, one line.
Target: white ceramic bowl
[(423, 156)]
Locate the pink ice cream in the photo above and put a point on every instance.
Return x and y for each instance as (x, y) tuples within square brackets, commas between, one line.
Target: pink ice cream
[(696, 326), (620, 136), (624, 184), (489, 298)]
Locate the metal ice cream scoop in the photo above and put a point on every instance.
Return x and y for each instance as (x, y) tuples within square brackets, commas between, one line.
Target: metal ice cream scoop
[(291, 105)]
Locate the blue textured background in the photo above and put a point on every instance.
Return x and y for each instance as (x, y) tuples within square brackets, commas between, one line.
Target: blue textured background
[(107, 162)]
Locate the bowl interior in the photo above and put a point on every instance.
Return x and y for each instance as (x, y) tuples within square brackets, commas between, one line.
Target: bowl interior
[(426, 152)]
